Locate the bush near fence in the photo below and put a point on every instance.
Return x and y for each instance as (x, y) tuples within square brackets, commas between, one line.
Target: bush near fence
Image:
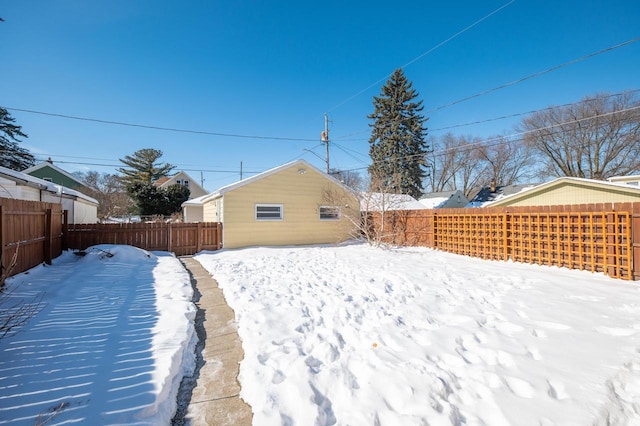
[(595, 237)]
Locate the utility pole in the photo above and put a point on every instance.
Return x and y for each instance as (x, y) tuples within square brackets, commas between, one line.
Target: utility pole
[(241, 170), (325, 139)]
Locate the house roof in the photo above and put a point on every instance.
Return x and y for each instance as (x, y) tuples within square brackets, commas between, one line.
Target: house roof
[(49, 164), (486, 195), (166, 181), (433, 200), (298, 163), (377, 201), (23, 178), (622, 187), (161, 181), (198, 201)]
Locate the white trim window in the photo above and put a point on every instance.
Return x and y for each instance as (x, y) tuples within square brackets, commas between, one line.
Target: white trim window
[(330, 213), (269, 212)]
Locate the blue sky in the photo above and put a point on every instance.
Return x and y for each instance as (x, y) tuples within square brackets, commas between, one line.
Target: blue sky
[(273, 68)]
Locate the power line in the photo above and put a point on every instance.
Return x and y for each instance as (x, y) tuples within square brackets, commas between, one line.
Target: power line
[(528, 112), (507, 138), (343, 138), (437, 46), (167, 129), (537, 74)]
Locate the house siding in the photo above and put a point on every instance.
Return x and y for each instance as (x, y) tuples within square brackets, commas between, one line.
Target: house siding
[(301, 196), (57, 178), (9, 189), (573, 194), (193, 213), (195, 190)]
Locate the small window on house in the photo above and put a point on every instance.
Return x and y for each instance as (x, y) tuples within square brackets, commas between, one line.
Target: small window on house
[(329, 213), (185, 183), (268, 211)]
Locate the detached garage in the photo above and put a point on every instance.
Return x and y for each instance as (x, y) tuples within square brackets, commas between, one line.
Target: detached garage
[(287, 205)]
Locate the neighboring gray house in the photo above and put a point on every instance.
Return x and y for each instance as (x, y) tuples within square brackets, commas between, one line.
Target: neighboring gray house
[(489, 194), (444, 200)]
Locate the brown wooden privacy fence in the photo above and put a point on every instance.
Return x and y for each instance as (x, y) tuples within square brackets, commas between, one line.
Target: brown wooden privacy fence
[(32, 229), (180, 238), (594, 237)]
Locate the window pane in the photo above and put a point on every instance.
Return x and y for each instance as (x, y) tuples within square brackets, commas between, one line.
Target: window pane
[(329, 213), (268, 212)]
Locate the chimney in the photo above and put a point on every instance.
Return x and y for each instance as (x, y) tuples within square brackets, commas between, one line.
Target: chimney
[(493, 185)]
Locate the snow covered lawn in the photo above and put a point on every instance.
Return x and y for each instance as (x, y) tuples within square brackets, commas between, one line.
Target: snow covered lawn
[(354, 335), (110, 344)]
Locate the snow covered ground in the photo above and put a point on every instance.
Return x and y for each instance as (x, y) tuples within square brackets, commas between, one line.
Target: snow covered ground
[(111, 341), (354, 335)]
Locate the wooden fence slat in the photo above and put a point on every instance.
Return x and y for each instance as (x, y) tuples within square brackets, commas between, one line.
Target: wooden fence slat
[(180, 238), (600, 238)]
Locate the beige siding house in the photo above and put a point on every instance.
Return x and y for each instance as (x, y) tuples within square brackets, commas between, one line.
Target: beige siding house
[(181, 178), (286, 205), (569, 190)]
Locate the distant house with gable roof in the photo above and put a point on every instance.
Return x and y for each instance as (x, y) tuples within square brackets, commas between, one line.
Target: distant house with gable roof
[(571, 190), (182, 178), (49, 172)]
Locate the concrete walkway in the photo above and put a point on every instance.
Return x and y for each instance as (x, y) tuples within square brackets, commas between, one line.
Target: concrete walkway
[(215, 394)]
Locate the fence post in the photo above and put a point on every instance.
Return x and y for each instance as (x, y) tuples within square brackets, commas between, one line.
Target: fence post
[(199, 237), (65, 230), (48, 237), (2, 238), (169, 236), (219, 234)]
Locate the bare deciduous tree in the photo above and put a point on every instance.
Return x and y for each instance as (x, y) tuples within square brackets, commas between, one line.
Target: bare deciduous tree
[(596, 138), (14, 311), (469, 163), (108, 189), (506, 161), (456, 164)]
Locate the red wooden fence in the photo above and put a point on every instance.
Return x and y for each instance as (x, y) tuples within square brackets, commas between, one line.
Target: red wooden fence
[(595, 237), (179, 238)]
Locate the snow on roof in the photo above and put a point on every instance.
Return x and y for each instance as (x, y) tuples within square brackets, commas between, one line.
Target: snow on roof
[(301, 163), (198, 201), (378, 201), (44, 185), (433, 203), (567, 179), (485, 196)]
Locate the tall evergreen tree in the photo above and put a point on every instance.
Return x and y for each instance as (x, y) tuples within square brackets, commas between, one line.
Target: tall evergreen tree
[(12, 156), (143, 167), (397, 142)]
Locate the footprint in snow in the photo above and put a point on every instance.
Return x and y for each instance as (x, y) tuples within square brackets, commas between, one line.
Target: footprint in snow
[(278, 377), (556, 389), (520, 387)]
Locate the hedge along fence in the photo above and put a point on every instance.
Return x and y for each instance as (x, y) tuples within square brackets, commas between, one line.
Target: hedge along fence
[(594, 237), (32, 229)]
